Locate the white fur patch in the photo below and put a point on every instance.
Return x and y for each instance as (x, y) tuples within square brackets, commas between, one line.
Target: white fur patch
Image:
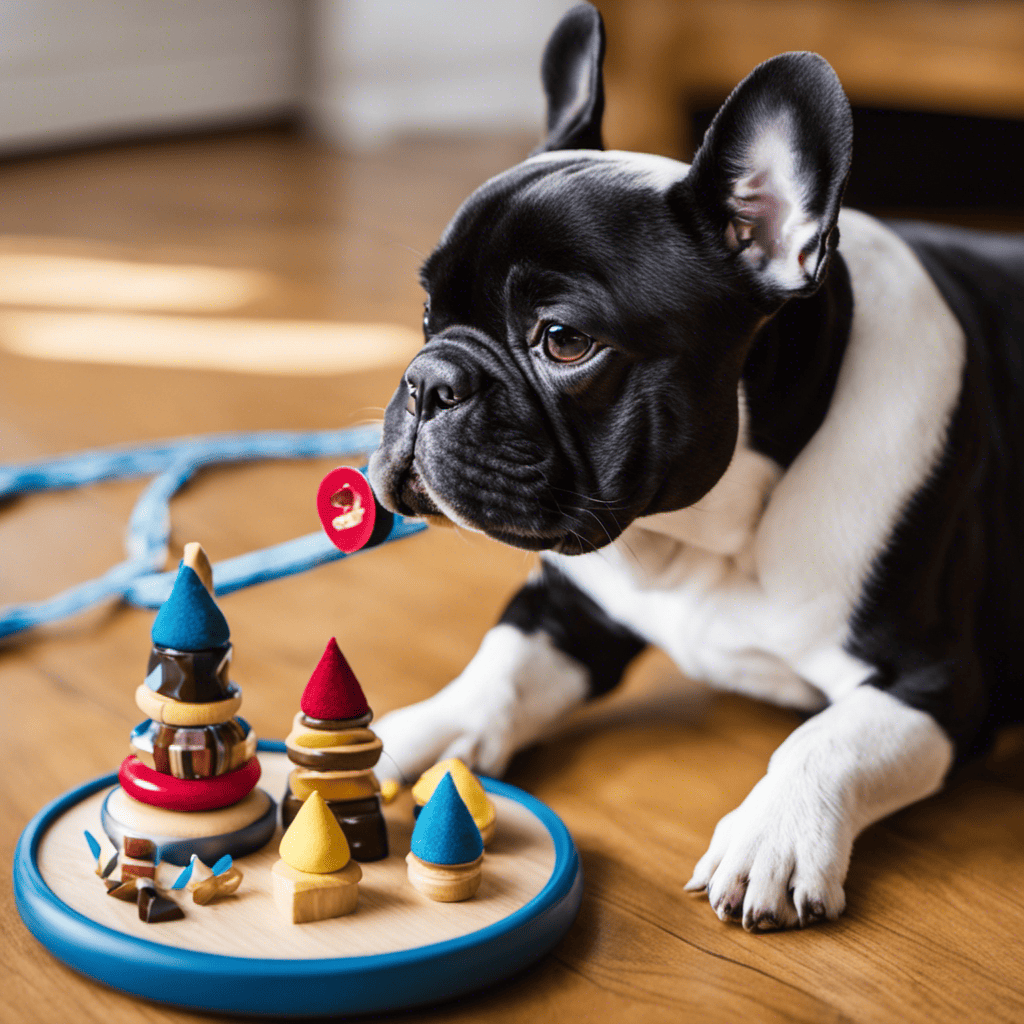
[(769, 197)]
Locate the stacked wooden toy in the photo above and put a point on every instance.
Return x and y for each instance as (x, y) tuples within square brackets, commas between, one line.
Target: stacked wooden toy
[(189, 785), (334, 753), (315, 877), (445, 861)]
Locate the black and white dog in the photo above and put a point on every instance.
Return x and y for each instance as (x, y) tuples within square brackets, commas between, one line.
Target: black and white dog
[(778, 439)]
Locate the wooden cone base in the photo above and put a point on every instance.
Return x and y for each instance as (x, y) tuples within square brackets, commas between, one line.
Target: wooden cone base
[(360, 820)]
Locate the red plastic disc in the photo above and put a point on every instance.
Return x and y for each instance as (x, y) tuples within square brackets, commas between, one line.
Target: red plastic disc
[(346, 507), (158, 790)]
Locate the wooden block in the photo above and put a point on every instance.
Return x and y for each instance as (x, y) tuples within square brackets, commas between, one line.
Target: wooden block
[(174, 712), (358, 785), (192, 677), (445, 883), (217, 885), (132, 868), (126, 890), (302, 896), (389, 790), (154, 908), (196, 559), (140, 849)]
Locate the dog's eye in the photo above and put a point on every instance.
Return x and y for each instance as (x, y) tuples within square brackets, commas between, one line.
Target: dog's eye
[(566, 344), (426, 317)]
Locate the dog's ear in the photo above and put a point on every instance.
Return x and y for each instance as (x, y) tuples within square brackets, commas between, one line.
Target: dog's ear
[(571, 73), (771, 172)]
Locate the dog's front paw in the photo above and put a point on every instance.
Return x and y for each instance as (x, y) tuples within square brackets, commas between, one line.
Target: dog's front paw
[(515, 687), (778, 861)]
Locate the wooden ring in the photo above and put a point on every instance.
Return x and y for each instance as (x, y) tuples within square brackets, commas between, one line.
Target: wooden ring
[(165, 791), (333, 785), (174, 712), (336, 759), (346, 750), (193, 752), (335, 724)]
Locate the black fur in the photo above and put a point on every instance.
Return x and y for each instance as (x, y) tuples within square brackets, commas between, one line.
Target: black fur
[(790, 373), (578, 627), (940, 615), (571, 73)]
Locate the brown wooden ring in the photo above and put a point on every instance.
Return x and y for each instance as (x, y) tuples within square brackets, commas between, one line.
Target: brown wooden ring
[(194, 752), (173, 712), (335, 724), (335, 759)]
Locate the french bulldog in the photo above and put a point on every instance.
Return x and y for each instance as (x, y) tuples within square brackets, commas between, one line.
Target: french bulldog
[(777, 438)]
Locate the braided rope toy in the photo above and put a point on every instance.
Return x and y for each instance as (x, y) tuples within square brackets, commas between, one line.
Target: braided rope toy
[(140, 579)]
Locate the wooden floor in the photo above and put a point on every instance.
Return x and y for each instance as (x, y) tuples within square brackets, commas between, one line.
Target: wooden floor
[(936, 895)]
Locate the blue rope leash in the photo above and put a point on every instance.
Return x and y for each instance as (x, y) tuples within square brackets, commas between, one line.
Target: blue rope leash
[(138, 580)]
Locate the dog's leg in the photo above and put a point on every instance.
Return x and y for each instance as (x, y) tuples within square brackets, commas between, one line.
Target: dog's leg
[(780, 859), (552, 649)]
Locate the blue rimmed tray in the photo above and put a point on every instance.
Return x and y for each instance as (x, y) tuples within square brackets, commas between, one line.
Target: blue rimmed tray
[(398, 950)]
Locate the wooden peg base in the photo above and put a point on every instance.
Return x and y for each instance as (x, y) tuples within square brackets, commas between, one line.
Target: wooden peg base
[(445, 883)]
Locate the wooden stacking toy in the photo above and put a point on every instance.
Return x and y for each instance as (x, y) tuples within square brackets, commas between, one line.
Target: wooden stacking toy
[(316, 877), (334, 753), (189, 784), (447, 852), (468, 785)]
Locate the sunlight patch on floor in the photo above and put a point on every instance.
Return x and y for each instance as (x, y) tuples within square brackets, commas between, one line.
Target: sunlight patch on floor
[(207, 343), (63, 281)]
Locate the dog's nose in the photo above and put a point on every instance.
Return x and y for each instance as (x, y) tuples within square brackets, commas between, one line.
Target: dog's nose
[(435, 385)]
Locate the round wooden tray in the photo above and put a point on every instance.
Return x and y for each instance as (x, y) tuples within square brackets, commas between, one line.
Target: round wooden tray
[(239, 955)]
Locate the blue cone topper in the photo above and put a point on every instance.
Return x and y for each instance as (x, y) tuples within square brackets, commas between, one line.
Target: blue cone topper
[(189, 620), (445, 832)]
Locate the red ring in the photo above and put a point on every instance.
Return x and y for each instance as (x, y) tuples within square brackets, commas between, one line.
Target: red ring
[(151, 787), (338, 480)]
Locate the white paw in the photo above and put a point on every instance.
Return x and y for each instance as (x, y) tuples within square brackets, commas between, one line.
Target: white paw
[(515, 687), (779, 860)]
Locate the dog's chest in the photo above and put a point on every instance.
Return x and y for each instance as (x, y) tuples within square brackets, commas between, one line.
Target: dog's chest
[(706, 610)]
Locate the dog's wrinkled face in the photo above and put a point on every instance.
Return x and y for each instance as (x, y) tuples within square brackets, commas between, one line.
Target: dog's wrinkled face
[(566, 385), (587, 319)]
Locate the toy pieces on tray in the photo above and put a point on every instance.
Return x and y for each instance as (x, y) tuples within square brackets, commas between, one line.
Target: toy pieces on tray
[(446, 855), (468, 785), (316, 877), (349, 512), (189, 785), (142, 891), (335, 755), (207, 884)]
